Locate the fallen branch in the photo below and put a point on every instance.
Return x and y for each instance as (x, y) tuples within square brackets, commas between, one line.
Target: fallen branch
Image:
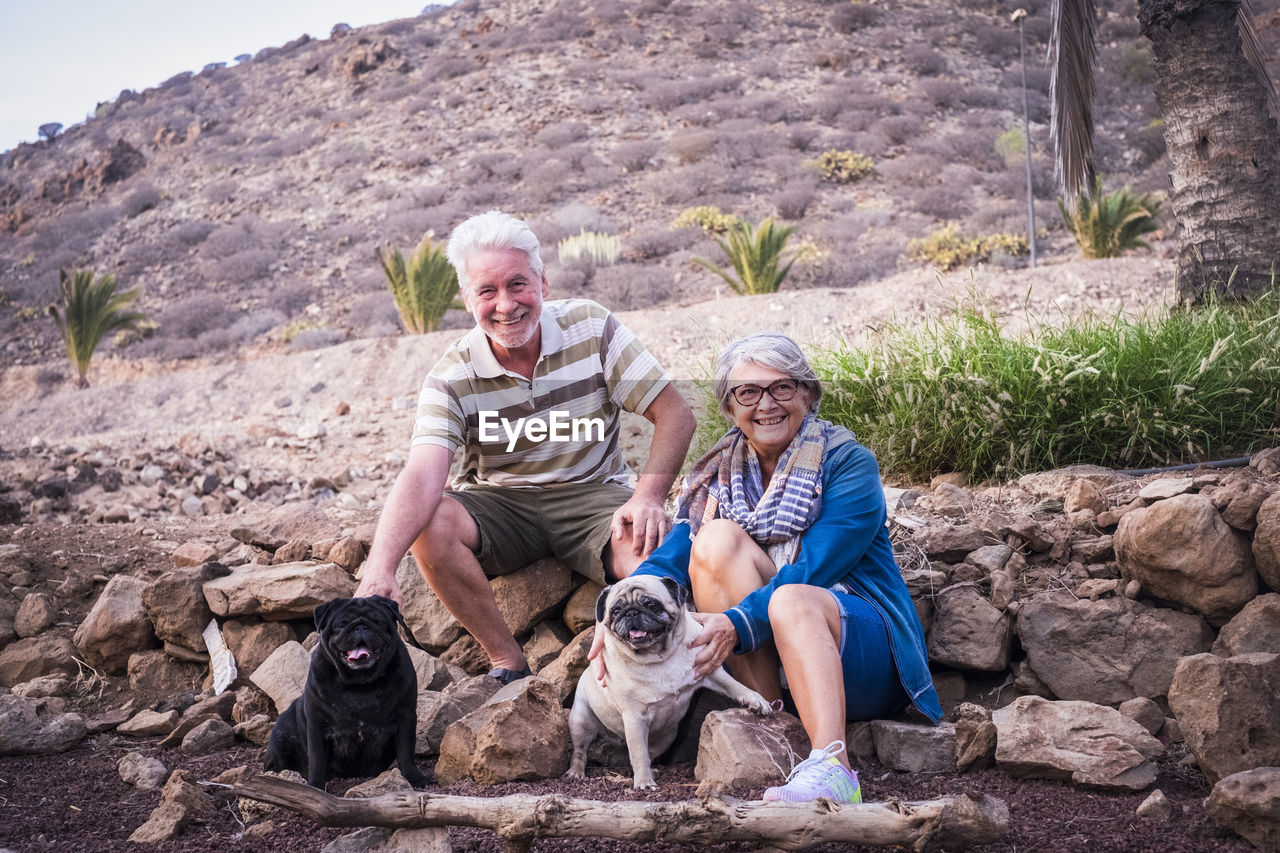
[(948, 822)]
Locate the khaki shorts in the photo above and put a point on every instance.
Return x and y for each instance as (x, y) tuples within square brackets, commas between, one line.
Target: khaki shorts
[(570, 522)]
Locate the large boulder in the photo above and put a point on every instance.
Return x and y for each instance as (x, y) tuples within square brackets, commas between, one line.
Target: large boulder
[(968, 632), (1248, 803), (176, 605), (1266, 541), (528, 596), (1256, 628), (1181, 550), (915, 748), (1229, 711), (283, 675), (737, 748), (23, 731), (289, 591), (1077, 741), (522, 734), (1107, 651), (116, 626), (439, 710), (36, 656), (430, 621)]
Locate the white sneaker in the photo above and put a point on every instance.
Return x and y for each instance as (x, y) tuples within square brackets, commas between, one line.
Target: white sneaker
[(820, 775)]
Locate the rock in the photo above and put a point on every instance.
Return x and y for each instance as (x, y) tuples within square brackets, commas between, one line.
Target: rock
[(250, 702), (1060, 481), (438, 711), (580, 610), (142, 772), (1266, 461), (1107, 651), (1084, 494), (989, 558), (35, 614), (348, 552), (8, 618), (950, 686), (431, 622), (1181, 550), (1077, 741), (290, 591), (1155, 807), (1229, 711), (1239, 504), (252, 642), (1168, 487), (565, 670), (24, 731), (857, 737), (148, 723), (116, 626), (968, 632), (209, 737), (389, 781), (545, 645), (1248, 803), (36, 656), (176, 606), (256, 729), (528, 596), (193, 554), (951, 500), (43, 687), (467, 654), (1266, 541), (1144, 712), (291, 521), (153, 671), (737, 748), (975, 737), (1256, 628), (283, 674), (181, 801), (524, 737), (293, 551), (433, 673), (950, 543), (915, 748), (1092, 549)]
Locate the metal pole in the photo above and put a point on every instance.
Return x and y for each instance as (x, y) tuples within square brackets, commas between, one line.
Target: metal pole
[(1017, 16)]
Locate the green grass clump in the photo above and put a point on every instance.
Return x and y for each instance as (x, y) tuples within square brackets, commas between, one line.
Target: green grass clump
[(424, 288), (842, 167), (755, 254), (1106, 225), (708, 217), (958, 394), (947, 249), (603, 249), (91, 310)]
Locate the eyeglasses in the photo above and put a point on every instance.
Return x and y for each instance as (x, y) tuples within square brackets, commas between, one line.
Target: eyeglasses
[(748, 394)]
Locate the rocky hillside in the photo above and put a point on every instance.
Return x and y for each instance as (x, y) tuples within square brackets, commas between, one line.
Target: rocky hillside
[(246, 202)]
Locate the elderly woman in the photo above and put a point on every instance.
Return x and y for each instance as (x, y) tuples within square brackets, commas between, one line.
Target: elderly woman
[(781, 534)]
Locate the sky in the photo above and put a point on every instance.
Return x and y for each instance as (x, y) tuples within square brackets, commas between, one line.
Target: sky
[(60, 58)]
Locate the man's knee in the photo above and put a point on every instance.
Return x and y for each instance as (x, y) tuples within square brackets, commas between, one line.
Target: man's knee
[(450, 527)]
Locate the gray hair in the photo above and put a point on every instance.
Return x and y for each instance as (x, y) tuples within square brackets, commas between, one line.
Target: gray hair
[(493, 230), (771, 349)]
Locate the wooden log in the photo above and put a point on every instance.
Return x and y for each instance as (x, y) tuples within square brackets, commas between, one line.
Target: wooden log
[(948, 822)]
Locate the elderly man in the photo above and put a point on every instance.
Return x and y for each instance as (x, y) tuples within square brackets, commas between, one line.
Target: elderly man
[(533, 396)]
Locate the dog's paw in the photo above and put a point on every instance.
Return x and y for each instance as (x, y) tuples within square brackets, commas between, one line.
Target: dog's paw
[(756, 702), (575, 775), (417, 780), (646, 784)]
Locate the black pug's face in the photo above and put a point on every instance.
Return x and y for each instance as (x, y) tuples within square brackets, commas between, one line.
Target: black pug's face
[(640, 612), (359, 634)]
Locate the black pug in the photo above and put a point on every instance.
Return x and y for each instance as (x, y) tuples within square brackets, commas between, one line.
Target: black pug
[(359, 710)]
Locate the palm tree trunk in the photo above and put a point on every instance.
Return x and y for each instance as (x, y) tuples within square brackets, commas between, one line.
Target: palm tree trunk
[(1224, 148)]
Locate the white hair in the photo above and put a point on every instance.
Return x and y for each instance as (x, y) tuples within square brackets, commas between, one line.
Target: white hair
[(771, 349), (492, 230)]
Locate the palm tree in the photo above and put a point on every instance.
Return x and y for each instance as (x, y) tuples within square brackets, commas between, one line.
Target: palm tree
[(1221, 129), (90, 311), (755, 254)]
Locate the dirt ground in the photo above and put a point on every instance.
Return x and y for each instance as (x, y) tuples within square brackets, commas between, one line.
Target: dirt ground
[(76, 801)]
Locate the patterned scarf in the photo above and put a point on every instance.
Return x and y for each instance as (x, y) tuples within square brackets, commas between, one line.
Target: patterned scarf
[(727, 483)]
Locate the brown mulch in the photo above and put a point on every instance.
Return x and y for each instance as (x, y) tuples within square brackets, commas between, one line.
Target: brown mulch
[(76, 801)]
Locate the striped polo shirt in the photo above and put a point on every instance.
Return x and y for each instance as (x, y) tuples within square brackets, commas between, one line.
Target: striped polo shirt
[(561, 427)]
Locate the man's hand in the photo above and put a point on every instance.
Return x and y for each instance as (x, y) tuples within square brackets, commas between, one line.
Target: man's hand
[(718, 638), (377, 583), (648, 522), (595, 654)]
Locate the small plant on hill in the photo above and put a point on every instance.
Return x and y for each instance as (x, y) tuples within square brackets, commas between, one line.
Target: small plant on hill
[(1106, 225), (841, 167), (707, 217), (602, 249), (947, 249), (424, 288), (91, 310), (755, 254)]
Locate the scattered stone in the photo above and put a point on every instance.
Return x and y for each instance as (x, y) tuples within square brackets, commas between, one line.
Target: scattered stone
[(116, 626), (968, 632), (293, 551), (523, 737), (181, 801), (546, 644), (1077, 741), (1229, 711), (176, 606), (256, 729), (154, 671), (142, 772), (741, 749), (148, 723), (348, 552), (580, 610), (1248, 803), (975, 737), (431, 622), (193, 554), (1084, 494), (950, 543), (438, 711), (24, 731), (43, 687), (1256, 628), (209, 737), (915, 748), (1155, 807), (251, 642), (989, 558), (290, 591), (1169, 487), (35, 614), (1145, 712), (1181, 550), (528, 596), (33, 657)]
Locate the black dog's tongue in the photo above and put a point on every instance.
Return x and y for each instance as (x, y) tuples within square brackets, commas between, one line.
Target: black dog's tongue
[(358, 654)]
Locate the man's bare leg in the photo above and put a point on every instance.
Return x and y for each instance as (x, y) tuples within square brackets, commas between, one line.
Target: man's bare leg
[(445, 553)]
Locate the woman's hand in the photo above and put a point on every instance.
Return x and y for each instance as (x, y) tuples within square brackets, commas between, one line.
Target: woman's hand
[(718, 638), (594, 654)]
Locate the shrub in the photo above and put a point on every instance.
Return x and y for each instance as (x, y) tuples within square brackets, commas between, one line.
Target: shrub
[(852, 17), (602, 249), (142, 199), (1106, 225), (692, 147), (958, 394), (634, 156), (659, 242), (924, 61), (794, 201), (755, 254), (91, 310), (947, 250), (707, 217), (424, 288), (1012, 146), (842, 167)]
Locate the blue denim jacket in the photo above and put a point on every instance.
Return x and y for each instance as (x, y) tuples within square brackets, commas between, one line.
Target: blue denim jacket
[(848, 544)]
